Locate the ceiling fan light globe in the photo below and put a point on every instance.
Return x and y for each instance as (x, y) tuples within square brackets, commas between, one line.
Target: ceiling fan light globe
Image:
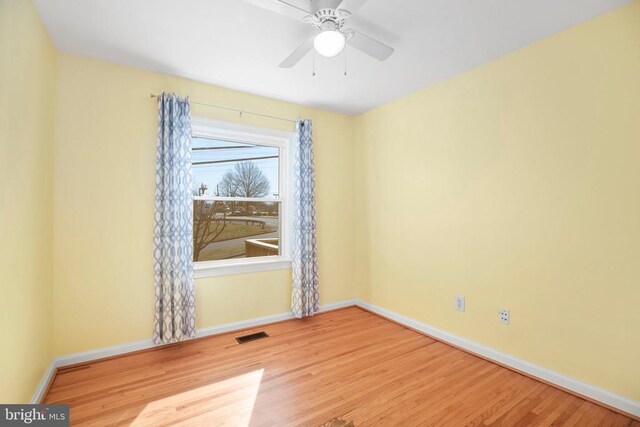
[(329, 43)]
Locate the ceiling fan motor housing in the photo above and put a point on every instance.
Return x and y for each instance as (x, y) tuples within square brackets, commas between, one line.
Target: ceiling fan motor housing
[(327, 19), (325, 16), (329, 25)]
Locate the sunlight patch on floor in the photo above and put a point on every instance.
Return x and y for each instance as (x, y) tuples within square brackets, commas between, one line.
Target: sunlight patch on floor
[(229, 402)]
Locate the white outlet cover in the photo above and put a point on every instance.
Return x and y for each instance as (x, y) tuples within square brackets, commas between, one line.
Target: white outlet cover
[(504, 316), (459, 303)]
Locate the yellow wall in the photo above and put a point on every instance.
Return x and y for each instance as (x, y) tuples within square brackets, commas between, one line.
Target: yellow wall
[(517, 185), (104, 188), (27, 82)]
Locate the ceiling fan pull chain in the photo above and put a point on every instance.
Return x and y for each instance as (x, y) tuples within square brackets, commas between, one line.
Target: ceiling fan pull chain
[(313, 71), (345, 61)]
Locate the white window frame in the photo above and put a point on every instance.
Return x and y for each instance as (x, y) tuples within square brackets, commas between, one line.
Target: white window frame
[(233, 132)]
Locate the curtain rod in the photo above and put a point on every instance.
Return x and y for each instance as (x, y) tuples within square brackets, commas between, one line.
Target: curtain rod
[(241, 112)]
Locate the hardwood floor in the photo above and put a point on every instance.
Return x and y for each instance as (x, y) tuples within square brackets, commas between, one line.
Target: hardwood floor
[(346, 363)]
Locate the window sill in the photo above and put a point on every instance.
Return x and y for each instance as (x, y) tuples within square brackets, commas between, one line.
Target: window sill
[(204, 269)]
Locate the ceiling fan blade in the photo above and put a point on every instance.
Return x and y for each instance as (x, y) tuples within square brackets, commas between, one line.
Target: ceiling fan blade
[(281, 7), (371, 47), (351, 5), (298, 53)]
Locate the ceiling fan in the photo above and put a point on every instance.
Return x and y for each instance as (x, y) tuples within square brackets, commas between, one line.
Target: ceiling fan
[(328, 17)]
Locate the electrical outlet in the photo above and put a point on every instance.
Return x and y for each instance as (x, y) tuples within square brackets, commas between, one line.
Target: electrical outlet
[(459, 303), (504, 316)]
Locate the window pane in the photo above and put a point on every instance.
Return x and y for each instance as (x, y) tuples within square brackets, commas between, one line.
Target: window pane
[(231, 169), (226, 230)]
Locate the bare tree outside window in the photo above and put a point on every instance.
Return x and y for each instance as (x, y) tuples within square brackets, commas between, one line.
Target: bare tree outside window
[(245, 180)]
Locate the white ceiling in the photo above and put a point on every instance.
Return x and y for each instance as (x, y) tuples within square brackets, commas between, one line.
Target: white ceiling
[(238, 45)]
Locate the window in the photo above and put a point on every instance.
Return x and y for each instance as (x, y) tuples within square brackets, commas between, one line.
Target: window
[(240, 198)]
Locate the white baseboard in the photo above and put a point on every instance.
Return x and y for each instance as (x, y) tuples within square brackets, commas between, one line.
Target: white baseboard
[(101, 353), (598, 394), (46, 379)]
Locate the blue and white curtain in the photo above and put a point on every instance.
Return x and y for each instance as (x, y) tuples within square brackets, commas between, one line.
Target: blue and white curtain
[(173, 229), (305, 299)]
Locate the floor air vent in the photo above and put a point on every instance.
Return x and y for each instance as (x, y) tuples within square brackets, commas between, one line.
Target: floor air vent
[(251, 337)]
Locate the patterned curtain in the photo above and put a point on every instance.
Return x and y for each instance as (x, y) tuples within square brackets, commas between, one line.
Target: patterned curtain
[(173, 230), (305, 297)]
